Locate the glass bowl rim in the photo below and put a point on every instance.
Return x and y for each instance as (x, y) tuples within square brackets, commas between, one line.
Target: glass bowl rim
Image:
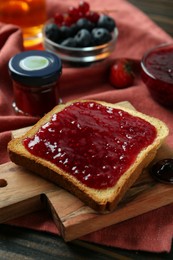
[(147, 53)]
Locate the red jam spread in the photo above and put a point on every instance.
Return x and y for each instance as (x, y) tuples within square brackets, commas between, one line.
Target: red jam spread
[(94, 143), (160, 64)]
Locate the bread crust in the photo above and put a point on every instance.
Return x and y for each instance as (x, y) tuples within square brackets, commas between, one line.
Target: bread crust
[(100, 200)]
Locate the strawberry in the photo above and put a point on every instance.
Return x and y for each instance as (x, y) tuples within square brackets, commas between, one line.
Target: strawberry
[(122, 73)]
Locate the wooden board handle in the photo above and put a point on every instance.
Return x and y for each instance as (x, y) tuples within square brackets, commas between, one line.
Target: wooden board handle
[(21, 195)]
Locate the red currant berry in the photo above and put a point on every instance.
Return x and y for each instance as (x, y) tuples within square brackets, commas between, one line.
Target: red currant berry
[(84, 7), (67, 20), (73, 13), (58, 19), (92, 16), (80, 15)]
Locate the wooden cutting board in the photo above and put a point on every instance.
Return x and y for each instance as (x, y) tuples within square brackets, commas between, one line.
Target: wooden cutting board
[(26, 192)]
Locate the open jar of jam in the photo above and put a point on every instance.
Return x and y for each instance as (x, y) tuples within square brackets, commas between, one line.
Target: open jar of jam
[(35, 77), (157, 73)]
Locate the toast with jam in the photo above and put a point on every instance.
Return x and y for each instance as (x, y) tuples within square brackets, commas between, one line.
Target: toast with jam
[(93, 149)]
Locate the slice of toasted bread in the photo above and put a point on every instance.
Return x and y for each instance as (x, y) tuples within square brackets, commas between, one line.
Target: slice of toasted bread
[(100, 199)]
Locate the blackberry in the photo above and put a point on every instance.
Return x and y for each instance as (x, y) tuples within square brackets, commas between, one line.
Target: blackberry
[(106, 22), (101, 36)]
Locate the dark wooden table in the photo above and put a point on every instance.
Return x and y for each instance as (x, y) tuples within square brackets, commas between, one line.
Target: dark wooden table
[(160, 11), (19, 243)]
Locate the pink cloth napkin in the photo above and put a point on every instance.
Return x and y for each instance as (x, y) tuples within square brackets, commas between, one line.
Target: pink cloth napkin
[(152, 231)]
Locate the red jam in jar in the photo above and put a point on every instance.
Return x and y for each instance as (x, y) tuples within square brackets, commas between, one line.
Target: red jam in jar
[(92, 142), (35, 76), (157, 73)]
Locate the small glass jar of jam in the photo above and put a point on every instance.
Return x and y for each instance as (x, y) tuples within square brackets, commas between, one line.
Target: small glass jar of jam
[(35, 77)]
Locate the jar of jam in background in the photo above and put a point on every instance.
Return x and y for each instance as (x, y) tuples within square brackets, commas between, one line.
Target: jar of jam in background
[(35, 77)]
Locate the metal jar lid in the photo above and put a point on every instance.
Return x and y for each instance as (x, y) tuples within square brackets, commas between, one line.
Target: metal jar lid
[(35, 68)]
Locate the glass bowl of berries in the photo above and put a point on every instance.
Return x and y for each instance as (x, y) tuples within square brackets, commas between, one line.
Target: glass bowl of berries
[(80, 36)]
